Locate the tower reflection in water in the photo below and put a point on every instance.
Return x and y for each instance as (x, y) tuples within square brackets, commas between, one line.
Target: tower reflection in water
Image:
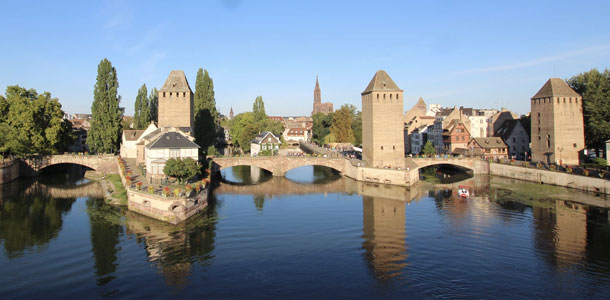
[(384, 236)]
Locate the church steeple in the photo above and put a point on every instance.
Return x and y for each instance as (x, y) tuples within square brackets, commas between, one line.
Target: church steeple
[(231, 114), (317, 94)]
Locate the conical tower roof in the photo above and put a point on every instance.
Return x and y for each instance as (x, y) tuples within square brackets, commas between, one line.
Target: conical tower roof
[(176, 82), (381, 82), (555, 87)]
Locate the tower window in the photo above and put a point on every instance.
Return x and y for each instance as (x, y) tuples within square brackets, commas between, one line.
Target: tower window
[(574, 145), (557, 100), (381, 147), (570, 100), (394, 147), (377, 96), (183, 94), (548, 141), (383, 96), (390, 96), (170, 94), (396, 96), (564, 100), (163, 94)]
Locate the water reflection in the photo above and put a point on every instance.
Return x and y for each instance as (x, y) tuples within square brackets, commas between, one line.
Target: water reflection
[(106, 227), (29, 217), (174, 248), (313, 175), (245, 175), (384, 236)]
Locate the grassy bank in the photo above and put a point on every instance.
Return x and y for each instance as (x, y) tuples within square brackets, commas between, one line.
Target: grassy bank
[(119, 190)]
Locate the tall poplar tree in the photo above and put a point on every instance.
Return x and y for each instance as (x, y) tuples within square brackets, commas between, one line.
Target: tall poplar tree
[(206, 115), (153, 104), (258, 108), (141, 117), (104, 135)]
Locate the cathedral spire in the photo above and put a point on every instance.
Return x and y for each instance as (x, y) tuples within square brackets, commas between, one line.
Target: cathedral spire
[(317, 94)]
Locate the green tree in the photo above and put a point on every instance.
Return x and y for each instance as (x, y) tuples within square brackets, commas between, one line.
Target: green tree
[(32, 123), (321, 126), (526, 122), (105, 132), (141, 117), (594, 87), (258, 108), (357, 127), (183, 169), (429, 149), (153, 105), (341, 128), (206, 115)]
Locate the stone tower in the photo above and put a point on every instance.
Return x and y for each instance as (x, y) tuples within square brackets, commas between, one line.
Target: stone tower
[(557, 130), (231, 114), (176, 102), (382, 123)]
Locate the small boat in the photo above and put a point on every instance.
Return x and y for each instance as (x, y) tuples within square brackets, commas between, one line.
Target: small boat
[(463, 192)]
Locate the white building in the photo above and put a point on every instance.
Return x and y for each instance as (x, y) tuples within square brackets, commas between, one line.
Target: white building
[(479, 125), (131, 138), (168, 145), (264, 141)]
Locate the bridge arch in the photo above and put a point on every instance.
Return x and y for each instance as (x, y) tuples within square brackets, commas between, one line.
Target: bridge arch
[(315, 163)]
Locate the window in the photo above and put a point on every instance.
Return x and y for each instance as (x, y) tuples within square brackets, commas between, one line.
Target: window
[(390, 96), (381, 147), (170, 94), (396, 96), (377, 96), (575, 145), (163, 94), (514, 139), (383, 96), (548, 141), (394, 147), (183, 94), (564, 100), (174, 153)]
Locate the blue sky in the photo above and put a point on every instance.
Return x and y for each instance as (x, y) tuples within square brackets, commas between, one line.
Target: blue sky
[(472, 53)]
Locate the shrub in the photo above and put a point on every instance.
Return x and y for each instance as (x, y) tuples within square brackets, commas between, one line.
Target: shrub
[(165, 191), (198, 187), (188, 188), (138, 185), (600, 162), (183, 169), (552, 167), (151, 189), (539, 165), (585, 172), (569, 169), (177, 192)]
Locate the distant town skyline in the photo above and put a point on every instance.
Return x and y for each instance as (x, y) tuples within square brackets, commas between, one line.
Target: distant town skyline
[(472, 54)]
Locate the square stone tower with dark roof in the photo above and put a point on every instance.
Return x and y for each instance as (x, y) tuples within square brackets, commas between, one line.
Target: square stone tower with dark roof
[(557, 130), (382, 123), (176, 102)]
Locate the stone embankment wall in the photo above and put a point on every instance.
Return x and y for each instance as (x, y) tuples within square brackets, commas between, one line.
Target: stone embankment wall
[(9, 171), (585, 183), (168, 209)]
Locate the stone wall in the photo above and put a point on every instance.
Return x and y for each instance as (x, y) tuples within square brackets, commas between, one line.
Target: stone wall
[(584, 183), (168, 209), (9, 171)]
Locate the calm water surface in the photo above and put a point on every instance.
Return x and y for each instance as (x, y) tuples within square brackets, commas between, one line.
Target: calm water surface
[(312, 235)]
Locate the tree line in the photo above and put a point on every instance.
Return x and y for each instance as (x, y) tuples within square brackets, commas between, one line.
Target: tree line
[(246, 126), (341, 126)]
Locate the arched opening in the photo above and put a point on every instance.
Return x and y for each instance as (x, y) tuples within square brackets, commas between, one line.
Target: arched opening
[(444, 173), (65, 174), (313, 174), (244, 175)]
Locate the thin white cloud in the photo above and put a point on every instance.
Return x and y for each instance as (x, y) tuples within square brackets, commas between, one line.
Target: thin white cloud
[(537, 61)]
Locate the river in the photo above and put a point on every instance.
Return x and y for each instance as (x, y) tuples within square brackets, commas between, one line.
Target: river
[(311, 235)]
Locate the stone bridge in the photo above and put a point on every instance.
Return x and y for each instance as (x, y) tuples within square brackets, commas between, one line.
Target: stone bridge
[(279, 165), (104, 163), (464, 162)]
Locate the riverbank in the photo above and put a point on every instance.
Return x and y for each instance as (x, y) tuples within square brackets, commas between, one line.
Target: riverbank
[(114, 191)]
